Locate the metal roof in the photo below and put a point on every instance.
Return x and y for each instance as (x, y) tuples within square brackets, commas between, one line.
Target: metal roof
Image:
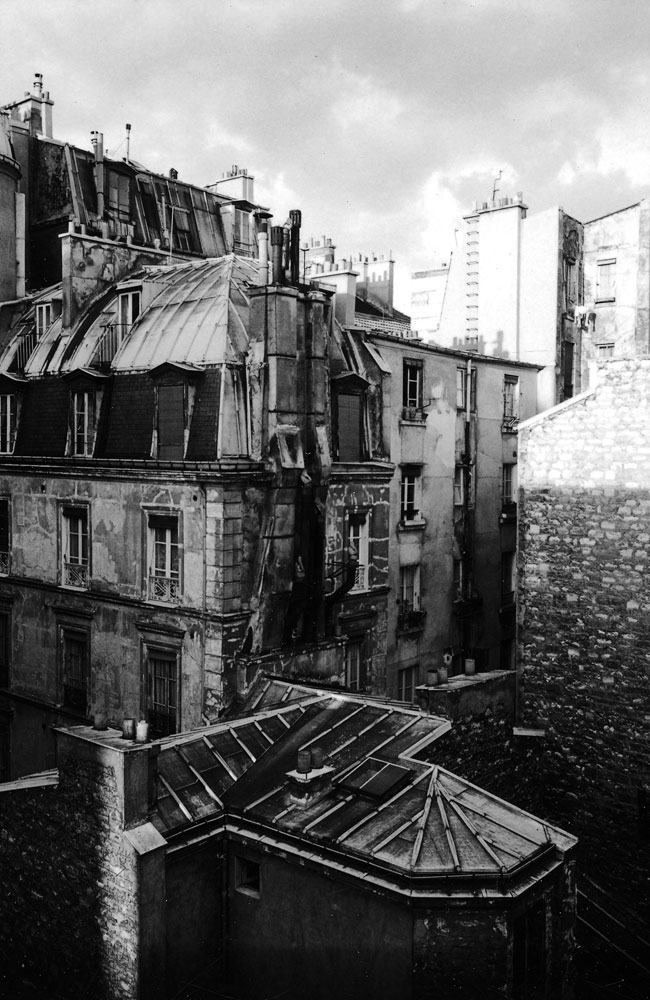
[(198, 316), (374, 799)]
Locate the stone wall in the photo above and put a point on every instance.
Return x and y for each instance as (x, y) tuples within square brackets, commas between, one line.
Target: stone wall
[(584, 630), (67, 923)]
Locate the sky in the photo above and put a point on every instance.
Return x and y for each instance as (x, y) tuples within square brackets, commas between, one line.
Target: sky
[(382, 120)]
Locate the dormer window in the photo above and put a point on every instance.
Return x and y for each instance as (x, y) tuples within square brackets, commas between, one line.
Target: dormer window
[(128, 309), (175, 395), (8, 415), (83, 423), (43, 318)]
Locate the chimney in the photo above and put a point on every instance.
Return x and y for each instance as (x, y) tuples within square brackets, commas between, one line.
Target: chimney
[(97, 139), (311, 780), (277, 246)]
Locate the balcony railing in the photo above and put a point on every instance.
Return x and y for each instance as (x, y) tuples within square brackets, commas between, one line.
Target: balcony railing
[(164, 588), (509, 423), (5, 563), (360, 578), (508, 511), (410, 618), (26, 343), (75, 575)]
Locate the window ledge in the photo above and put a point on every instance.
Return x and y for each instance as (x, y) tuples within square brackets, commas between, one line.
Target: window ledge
[(415, 525), (605, 301)]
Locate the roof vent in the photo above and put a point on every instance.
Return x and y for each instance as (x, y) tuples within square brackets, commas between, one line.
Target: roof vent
[(312, 778)]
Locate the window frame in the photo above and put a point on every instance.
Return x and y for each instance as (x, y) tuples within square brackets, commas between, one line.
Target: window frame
[(169, 592), (409, 588), (356, 669), (412, 384), (508, 484), (511, 400), (43, 318), (8, 422), (410, 494), (158, 653), (606, 290), (248, 876), (82, 439), (69, 633), (407, 680), (461, 389), (358, 537), (79, 567)]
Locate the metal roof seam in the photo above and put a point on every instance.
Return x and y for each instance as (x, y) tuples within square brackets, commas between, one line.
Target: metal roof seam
[(425, 816), (396, 833), (200, 777)]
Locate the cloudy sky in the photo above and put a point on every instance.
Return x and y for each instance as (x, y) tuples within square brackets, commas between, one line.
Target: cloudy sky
[(382, 120)]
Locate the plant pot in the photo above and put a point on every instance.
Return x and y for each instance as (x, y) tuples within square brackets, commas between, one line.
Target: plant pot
[(442, 675), (432, 678), (470, 667), (142, 732), (128, 729)]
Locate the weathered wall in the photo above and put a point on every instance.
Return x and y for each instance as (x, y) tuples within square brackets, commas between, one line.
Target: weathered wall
[(308, 935), (583, 618), (68, 920)]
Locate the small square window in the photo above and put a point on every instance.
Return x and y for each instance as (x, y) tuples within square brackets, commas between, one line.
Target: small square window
[(247, 876), (605, 351)]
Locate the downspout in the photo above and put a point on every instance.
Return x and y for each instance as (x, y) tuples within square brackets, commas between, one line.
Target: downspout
[(222, 393)]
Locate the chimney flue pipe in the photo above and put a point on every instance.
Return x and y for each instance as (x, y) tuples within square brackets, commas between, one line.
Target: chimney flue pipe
[(277, 246)]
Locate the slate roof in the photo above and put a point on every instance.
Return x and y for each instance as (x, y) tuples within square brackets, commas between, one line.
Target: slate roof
[(374, 801)]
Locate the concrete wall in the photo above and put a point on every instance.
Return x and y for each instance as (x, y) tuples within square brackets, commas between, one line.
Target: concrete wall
[(539, 299), (583, 603)]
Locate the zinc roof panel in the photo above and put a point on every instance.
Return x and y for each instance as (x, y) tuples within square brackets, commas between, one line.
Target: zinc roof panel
[(174, 770)]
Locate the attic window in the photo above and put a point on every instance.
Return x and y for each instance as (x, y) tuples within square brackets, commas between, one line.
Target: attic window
[(43, 318), (171, 421), (128, 309), (375, 779)]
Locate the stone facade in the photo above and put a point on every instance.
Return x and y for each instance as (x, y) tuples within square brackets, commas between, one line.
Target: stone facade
[(584, 639)]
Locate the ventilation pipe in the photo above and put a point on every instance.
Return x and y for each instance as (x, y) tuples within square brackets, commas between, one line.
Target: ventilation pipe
[(277, 246), (128, 142), (263, 245), (295, 215), (97, 139)]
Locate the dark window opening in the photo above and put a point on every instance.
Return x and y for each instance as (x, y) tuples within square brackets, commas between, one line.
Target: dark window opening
[(412, 385), (247, 876), (163, 693), (350, 412), (5, 649), (171, 421), (75, 670)]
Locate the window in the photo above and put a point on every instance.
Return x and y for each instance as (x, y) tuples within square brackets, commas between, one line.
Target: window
[(406, 681), (162, 692), (74, 656), (461, 388), (567, 368), (355, 665), (412, 385), (75, 546), (411, 489), (509, 483), (350, 432), (5, 648), (358, 543), (510, 401), (163, 557), (409, 588), (43, 318), (462, 580), (119, 196), (171, 421), (5, 535), (459, 485), (242, 230), (606, 281), (83, 423), (247, 876), (7, 423), (128, 309), (508, 576), (605, 351)]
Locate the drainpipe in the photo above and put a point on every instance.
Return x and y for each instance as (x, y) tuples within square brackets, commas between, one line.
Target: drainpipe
[(468, 390), (222, 393)]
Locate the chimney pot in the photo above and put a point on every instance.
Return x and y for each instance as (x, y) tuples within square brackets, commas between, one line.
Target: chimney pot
[(304, 762)]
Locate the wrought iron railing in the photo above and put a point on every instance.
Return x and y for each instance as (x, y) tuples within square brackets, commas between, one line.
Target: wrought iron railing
[(414, 413), (75, 575), (410, 618), (5, 563), (164, 588), (360, 578)]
